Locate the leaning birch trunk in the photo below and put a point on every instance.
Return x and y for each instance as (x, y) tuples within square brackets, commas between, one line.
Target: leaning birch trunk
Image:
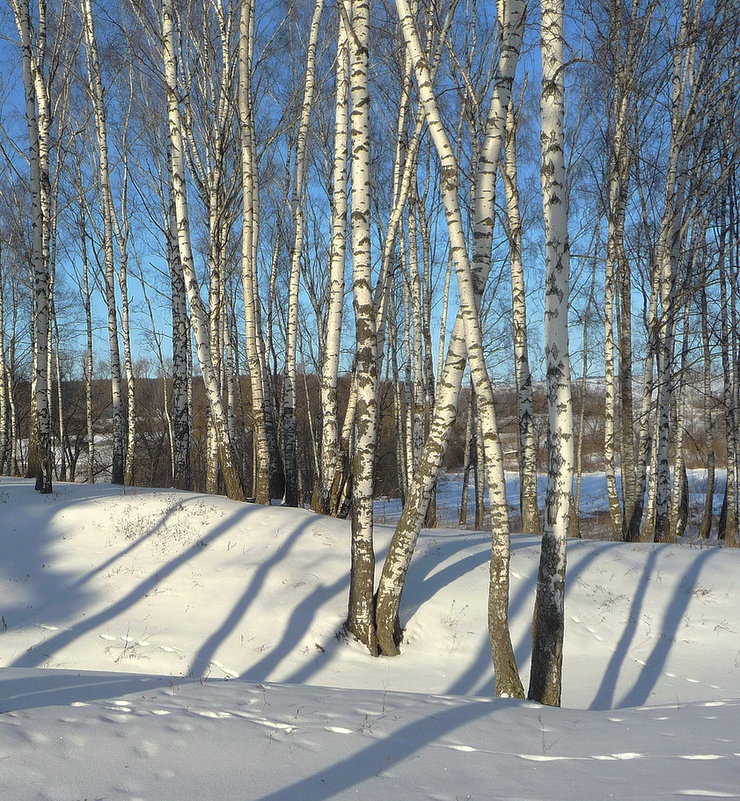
[(289, 383), (549, 617), (250, 215), (508, 683), (96, 93), (229, 463), (330, 456), (361, 614), (525, 409), (32, 82), (404, 539)]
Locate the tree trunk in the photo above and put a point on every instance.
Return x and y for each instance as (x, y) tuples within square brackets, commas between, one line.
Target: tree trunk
[(361, 615), (289, 381), (228, 459), (330, 455), (404, 539), (549, 614), (525, 409), (37, 121)]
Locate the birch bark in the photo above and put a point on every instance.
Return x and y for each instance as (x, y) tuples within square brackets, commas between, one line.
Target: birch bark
[(549, 617), (527, 448), (299, 180), (507, 676), (95, 88), (180, 415), (360, 620), (37, 122), (404, 540), (330, 454), (250, 233), (228, 460), (4, 428)]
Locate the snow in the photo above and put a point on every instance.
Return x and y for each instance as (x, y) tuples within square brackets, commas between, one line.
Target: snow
[(165, 646)]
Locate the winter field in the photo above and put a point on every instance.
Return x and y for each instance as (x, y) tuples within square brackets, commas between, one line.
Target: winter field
[(174, 646)]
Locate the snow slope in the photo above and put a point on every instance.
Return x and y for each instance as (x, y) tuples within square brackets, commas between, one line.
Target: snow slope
[(123, 612)]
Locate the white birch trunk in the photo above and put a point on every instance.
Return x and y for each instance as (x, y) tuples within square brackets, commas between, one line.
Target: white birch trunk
[(330, 455), (4, 383), (361, 615), (549, 616), (229, 463), (180, 414), (299, 180), (95, 87), (37, 122), (507, 676), (705, 529), (404, 540), (250, 229), (525, 407)]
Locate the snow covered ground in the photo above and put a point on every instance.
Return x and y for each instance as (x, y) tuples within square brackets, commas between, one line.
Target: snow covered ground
[(173, 646), (593, 496)]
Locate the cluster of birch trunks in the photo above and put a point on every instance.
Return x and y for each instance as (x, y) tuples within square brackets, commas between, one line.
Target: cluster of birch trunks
[(338, 189)]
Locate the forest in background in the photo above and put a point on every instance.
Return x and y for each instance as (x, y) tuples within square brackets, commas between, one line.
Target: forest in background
[(334, 231)]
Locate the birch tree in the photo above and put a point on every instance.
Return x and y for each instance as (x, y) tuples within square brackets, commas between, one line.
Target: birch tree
[(37, 125), (250, 233), (95, 90), (549, 617), (527, 447), (330, 451), (406, 534), (227, 456), (360, 620), (507, 678)]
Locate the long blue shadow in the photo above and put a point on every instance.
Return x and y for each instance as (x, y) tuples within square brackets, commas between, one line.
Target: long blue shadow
[(478, 678), (46, 649), (48, 687), (201, 663), (604, 697), (672, 619), (523, 650), (384, 754), (129, 549)]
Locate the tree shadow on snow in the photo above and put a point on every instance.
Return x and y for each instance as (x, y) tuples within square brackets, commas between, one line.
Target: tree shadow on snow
[(201, 663), (35, 688), (42, 652), (666, 636), (384, 754)]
